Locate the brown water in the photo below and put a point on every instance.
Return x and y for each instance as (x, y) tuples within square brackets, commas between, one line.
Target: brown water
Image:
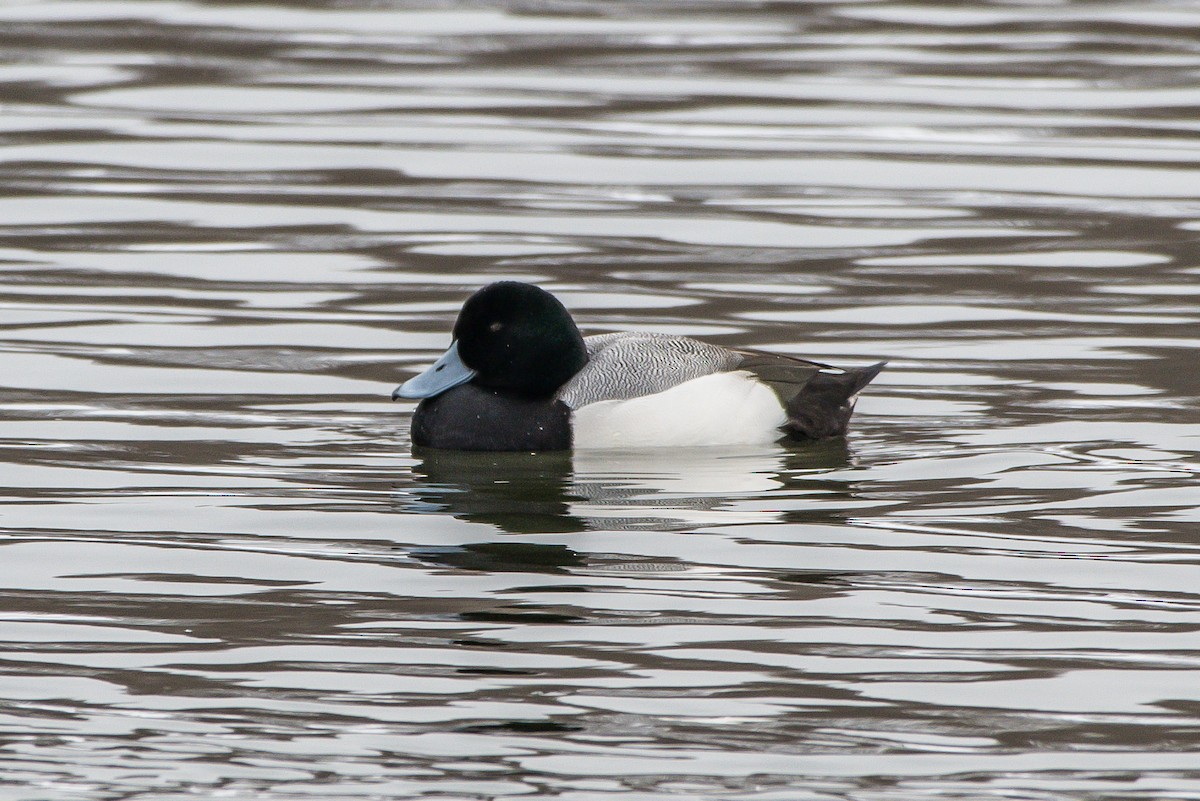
[(228, 231)]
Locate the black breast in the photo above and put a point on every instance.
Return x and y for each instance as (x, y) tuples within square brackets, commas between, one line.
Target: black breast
[(469, 418)]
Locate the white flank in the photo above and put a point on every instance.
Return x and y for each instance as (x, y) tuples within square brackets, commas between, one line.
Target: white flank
[(719, 409)]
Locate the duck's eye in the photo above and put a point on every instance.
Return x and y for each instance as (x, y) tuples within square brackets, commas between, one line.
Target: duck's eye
[(494, 327)]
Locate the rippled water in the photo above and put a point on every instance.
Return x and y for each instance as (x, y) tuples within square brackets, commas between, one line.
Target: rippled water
[(228, 231)]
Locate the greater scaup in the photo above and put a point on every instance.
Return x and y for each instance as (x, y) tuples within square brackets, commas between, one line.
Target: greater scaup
[(519, 376)]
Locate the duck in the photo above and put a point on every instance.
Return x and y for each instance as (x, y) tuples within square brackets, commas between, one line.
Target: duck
[(519, 376)]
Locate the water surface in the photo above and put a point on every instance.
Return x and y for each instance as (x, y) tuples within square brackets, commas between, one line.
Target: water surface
[(228, 231)]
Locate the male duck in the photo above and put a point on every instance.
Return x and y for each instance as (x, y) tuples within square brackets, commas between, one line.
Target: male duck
[(520, 377)]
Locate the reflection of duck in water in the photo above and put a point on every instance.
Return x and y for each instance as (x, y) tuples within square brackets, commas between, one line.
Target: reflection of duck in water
[(520, 377), (523, 493), (651, 489)]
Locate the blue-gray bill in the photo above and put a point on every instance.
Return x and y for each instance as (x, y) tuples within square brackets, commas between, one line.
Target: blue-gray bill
[(447, 372)]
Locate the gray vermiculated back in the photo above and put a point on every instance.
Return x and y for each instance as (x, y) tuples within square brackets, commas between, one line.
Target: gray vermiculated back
[(632, 364)]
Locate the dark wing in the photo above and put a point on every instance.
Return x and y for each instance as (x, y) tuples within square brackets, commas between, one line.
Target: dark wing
[(819, 399), (785, 375)]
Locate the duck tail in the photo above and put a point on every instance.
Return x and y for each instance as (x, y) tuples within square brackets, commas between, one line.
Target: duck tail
[(823, 406)]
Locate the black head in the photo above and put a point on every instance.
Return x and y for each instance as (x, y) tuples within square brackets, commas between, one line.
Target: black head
[(519, 339)]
